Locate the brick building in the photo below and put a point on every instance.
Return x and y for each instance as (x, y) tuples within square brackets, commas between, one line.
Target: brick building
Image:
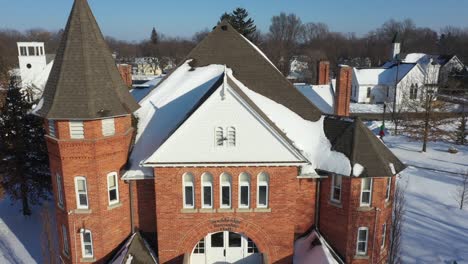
[(226, 161)]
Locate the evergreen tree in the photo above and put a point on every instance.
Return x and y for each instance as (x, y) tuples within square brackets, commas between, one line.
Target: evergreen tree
[(462, 132), (154, 36), (23, 153), (239, 19)]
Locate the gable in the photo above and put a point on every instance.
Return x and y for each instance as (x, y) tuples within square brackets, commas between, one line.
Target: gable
[(194, 142)]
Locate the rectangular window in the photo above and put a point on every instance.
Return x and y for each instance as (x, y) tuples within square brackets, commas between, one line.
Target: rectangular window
[(336, 188), (207, 197), (31, 51), (23, 51), (366, 192), (368, 92), (389, 185), (384, 235), (76, 129), (42, 50), (87, 244), (361, 248), (59, 190), (66, 249), (108, 127), (225, 196), (52, 128), (262, 196), (188, 196), (81, 193), (113, 188), (244, 196)]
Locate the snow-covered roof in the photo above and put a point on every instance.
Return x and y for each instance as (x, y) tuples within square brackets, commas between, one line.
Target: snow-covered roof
[(382, 75), (313, 249), (140, 91), (321, 96)]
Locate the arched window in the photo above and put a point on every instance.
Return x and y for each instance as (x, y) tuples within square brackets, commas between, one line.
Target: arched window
[(225, 190), (87, 243), (263, 182), (244, 190), (207, 190), (231, 136), (81, 190), (112, 188), (219, 136), (188, 191)]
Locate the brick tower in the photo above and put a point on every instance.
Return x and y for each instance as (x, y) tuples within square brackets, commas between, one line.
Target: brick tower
[(87, 111)]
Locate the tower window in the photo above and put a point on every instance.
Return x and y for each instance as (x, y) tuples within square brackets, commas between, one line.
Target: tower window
[(76, 129), (52, 128), (81, 193), (362, 237), (368, 92), (113, 188), (207, 190), (384, 235), (225, 196), (263, 181), (66, 248), (59, 190), (87, 244), (244, 190), (31, 51), (366, 192), (389, 185), (23, 51), (108, 127), (188, 191), (336, 188)]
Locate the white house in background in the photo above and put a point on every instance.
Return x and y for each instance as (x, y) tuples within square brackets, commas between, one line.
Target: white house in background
[(34, 67)]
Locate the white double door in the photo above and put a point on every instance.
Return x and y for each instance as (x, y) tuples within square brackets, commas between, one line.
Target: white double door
[(225, 247)]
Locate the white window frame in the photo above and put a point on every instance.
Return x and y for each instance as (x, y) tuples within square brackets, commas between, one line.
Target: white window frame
[(219, 137), (108, 127), (265, 183), (116, 188), (333, 187), (58, 179), (384, 235), (52, 130), (77, 193), (244, 183), (226, 182), (388, 189), (370, 192), (83, 244), (66, 247), (77, 130), (207, 183), (188, 183), (362, 253), (231, 136)]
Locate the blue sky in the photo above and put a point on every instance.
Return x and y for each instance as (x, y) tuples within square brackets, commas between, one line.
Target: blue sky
[(134, 19)]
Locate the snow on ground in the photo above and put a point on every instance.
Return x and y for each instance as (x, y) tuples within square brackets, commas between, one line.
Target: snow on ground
[(20, 236), (435, 230)]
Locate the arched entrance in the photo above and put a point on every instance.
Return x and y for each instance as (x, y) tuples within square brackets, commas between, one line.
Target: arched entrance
[(226, 247)]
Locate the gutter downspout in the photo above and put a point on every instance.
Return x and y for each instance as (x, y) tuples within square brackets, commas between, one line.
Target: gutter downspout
[(377, 210), (130, 194), (317, 203)]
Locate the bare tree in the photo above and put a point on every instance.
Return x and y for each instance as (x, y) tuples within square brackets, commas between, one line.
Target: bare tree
[(461, 192), (398, 214)]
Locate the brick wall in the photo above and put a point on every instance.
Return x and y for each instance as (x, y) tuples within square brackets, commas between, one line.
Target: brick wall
[(323, 72), (272, 230), (305, 204), (343, 90), (125, 71), (93, 157)]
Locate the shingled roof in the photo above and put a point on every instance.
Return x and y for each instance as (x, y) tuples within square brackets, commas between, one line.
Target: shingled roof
[(225, 46), (351, 137), (84, 82)]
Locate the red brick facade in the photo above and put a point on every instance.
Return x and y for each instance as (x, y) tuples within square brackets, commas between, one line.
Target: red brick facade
[(126, 73), (343, 90), (93, 158), (323, 73)]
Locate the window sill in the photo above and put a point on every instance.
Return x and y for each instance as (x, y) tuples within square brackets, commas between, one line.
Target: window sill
[(113, 206), (244, 210), (82, 211), (225, 210), (88, 260), (365, 208), (361, 257), (207, 210), (262, 210), (189, 211), (335, 203)]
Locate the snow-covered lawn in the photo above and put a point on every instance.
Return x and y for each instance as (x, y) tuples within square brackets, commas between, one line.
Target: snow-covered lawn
[(20, 236), (435, 230)]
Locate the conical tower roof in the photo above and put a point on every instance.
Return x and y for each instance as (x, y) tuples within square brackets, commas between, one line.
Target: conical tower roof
[(224, 45), (84, 82)]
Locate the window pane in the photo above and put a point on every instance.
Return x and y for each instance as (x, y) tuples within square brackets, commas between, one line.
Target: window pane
[(88, 250), (111, 181), (83, 200), (262, 195), (366, 183), (362, 247), (207, 195), (235, 240), (87, 237), (81, 185), (245, 195), (217, 240), (113, 195), (336, 193), (189, 195), (362, 235), (366, 197), (226, 195)]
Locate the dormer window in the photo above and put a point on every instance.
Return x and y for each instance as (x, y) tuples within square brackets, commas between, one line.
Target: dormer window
[(225, 137)]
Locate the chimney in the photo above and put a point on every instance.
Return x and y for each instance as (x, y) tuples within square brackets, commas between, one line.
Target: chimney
[(323, 73), (126, 73), (343, 90)]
